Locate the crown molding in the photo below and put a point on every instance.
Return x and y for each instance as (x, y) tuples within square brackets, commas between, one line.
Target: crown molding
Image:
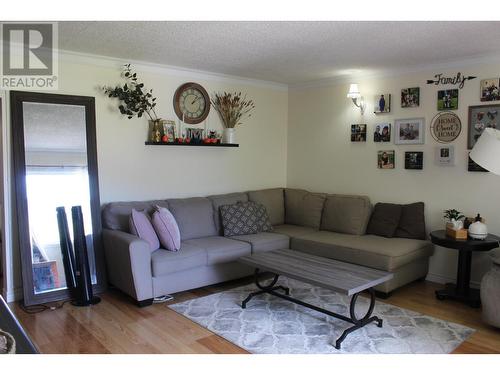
[(113, 62), (455, 64)]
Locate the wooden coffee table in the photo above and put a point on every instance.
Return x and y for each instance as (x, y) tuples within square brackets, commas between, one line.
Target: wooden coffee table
[(346, 278)]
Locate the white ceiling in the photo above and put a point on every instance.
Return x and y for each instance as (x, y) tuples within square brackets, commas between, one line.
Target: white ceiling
[(285, 52)]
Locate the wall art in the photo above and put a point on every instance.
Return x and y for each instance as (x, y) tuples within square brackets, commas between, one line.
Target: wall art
[(480, 118), (445, 155), (490, 89), (409, 131), (386, 159), (459, 79), (382, 132), (445, 127), (447, 100), (358, 133), (382, 103), (414, 160), (410, 97)]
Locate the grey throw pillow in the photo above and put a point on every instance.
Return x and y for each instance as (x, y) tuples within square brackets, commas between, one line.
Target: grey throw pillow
[(263, 221), (384, 220), (412, 222), (239, 219)]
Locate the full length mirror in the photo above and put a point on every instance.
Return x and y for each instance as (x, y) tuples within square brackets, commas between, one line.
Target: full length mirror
[(55, 163)]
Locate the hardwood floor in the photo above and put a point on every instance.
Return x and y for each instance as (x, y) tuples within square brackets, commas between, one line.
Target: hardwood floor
[(116, 325)]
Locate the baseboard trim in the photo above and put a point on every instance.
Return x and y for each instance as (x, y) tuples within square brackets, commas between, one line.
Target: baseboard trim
[(440, 279)]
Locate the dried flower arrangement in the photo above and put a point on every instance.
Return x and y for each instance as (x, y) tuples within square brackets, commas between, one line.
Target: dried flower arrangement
[(232, 108), (134, 100)]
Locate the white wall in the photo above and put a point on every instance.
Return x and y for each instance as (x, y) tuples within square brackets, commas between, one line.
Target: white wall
[(129, 170), (322, 158)]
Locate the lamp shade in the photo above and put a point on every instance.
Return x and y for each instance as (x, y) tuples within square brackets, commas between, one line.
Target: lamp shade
[(486, 151), (353, 91)]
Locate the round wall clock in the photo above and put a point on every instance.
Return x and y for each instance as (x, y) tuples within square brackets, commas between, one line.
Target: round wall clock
[(191, 103)]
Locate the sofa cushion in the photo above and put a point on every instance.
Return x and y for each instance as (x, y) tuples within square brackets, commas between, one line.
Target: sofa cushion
[(140, 226), (166, 228), (116, 215), (382, 253), (293, 230), (303, 208), (265, 241), (224, 199), (384, 219), (346, 214), (164, 262), (412, 222), (194, 216), (220, 249), (273, 200), (239, 219)]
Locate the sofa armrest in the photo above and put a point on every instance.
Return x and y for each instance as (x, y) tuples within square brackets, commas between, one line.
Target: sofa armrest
[(128, 260)]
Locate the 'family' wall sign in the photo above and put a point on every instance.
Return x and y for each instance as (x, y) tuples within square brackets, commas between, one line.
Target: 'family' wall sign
[(459, 80)]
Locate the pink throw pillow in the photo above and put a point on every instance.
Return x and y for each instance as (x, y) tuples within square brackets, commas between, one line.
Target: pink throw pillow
[(167, 229), (140, 225)]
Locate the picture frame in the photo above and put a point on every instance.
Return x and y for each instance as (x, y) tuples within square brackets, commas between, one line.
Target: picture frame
[(445, 155), (386, 159), (447, 100), (414, 160), (472, 166), (358, 133), (382, 103), (382, 132), (409, 131), (481, 117), (170, 130), (410, 97), (490, 89)]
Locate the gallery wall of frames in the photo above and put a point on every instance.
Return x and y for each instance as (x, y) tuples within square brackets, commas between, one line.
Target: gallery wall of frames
[(444, 127)]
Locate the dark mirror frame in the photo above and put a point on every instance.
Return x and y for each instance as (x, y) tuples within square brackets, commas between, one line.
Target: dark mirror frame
[(17, 98)]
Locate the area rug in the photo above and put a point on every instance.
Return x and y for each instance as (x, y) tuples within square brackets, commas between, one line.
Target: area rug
[(270, 325)]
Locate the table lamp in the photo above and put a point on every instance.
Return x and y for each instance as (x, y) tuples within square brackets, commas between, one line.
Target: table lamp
[(486, 151)]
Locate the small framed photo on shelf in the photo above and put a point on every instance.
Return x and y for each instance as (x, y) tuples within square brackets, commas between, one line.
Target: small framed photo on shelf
[(472, 166), (382, 132), (170, 130), (409, 131), (386, 159), (358, 133), (414, 160), (480, 118), (447, 100), (410, 98), (445, 156), (382, 103), (490, 89)]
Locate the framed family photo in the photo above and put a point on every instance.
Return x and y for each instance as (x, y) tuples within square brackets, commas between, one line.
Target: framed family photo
[(414, 160), (386, 159), (358, 133), (409, 131), (382, 103), (447, 99), (480, 118), (445, 156), (490, 89), (410, 97), (382, 132)]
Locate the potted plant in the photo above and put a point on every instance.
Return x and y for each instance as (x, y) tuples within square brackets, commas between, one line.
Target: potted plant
[(232, 108), (134, 101), (454, 219)]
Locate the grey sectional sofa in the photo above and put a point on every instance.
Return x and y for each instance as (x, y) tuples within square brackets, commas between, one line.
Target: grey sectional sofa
[(327, 225)]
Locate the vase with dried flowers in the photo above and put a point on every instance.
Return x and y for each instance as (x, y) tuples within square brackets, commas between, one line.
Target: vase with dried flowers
[(135, 101), (232, 109)]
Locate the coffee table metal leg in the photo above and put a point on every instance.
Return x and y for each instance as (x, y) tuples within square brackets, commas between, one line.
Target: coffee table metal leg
[(264, 288)]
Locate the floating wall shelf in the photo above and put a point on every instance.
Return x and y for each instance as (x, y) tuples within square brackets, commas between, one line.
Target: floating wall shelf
[(192, 144)]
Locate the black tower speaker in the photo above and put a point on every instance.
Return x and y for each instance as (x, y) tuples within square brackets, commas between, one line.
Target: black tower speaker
[(83, 295)]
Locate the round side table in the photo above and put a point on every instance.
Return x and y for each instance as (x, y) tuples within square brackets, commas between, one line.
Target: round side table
[(461, 291)]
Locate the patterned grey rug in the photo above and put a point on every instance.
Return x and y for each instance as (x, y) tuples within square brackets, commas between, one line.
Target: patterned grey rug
[(272, 325)]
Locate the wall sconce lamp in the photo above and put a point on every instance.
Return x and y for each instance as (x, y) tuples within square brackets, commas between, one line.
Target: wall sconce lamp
[(356, 97)]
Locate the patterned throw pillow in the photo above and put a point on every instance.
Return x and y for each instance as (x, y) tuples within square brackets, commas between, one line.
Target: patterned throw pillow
[(239, 219), (263, 220)]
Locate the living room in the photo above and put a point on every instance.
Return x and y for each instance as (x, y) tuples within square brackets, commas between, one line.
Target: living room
[(227, 185)]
